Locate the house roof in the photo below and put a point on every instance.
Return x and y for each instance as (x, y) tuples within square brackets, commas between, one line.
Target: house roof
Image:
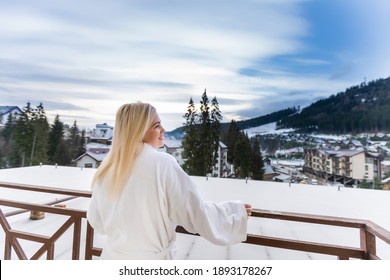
[(98, 154), (222, 145), (103, 125), (8, 109), (282, 177), (387, 180), (171, 143), (268, 169), (349, 153)]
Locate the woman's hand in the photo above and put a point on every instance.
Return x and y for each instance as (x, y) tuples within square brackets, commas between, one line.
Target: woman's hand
[(248, 209)]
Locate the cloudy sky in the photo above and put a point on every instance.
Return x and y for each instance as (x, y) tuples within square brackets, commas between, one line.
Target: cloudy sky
[(83, 59)]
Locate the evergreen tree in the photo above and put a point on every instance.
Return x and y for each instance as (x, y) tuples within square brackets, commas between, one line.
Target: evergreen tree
[(75, 142), (243, 156), (81, 147), (56, 139), (2, 158), (62, 155), (190, 140), (206, 145), (201, 136), (41, 129), (257, 162), (5, 141), (23, 137), (216, 118), (6, 132), (231, 139)]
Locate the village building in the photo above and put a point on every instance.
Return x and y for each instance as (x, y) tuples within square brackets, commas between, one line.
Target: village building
[(386, 184), (269, 172), (5, 111), (174, 148), (347, 166), (102, 136), (102, 133), (222, 168), (92, 158)]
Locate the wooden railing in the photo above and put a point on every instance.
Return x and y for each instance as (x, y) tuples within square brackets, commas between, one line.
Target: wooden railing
[(369, 231)]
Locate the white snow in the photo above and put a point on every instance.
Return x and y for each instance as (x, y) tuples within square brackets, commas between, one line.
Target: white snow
[(322, 200), (269, 128)]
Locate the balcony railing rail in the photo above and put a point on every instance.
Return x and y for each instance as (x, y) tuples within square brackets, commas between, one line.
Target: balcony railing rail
[(369, 231)]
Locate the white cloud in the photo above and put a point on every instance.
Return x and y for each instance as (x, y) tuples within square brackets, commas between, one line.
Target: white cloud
[(104, 53)]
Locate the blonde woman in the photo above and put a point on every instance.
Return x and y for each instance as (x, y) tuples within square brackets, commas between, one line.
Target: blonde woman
[(140, 195)]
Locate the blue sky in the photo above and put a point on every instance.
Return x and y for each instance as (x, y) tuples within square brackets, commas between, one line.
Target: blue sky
[(83, 59)]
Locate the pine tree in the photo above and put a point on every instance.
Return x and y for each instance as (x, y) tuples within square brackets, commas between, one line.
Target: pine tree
[(257, 162), (56, 136), (216, 118), (243, 156), (81, 147), (6, 132), (206, 145), (201, 136), (6, 143), (190, 140), (75, 142), (41, 129), (23, 137), (231, 139)]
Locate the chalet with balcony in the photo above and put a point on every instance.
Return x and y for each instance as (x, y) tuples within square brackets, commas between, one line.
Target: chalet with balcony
[(222, 168), (102, 133)]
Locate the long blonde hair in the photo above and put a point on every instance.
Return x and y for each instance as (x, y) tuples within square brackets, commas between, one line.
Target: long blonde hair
[(132, 122)]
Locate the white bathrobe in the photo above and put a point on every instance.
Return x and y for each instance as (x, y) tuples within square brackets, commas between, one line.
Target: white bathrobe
[(158, 196)]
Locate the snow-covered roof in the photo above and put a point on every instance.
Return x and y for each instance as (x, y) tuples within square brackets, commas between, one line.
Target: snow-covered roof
[(172, 143), (222, 145), (385, 162), (282, 177), (8, 109), (98, 156), (387, 180), (349, 153), (268, 169), (356, 143), (4, 110), (103, 125), (319, 200), (92, 145)]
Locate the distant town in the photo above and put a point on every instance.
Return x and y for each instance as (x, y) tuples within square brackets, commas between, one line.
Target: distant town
[(359, 161), (333, 160)]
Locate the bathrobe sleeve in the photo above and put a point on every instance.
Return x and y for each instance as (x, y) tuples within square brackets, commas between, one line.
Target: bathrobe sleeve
[(220, 223), (93, 214)]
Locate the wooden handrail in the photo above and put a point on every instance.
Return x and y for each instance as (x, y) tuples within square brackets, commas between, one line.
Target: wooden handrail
[(369, 231), (76, 193)]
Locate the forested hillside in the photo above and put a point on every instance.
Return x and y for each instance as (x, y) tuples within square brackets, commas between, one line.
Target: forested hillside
[(363, 108), (269, 118)]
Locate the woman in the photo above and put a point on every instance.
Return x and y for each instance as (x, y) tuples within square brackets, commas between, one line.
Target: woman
[(140, 195)]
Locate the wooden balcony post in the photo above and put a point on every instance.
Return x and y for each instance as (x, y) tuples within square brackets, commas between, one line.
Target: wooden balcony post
[(76, 239), (7, 248), (89, 242), (368, 244)]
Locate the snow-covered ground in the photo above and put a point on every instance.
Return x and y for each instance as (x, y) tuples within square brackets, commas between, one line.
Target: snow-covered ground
[(269, 128), (371, 205)]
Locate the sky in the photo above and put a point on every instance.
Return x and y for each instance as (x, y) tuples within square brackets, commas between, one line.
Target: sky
[(84, 59)]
